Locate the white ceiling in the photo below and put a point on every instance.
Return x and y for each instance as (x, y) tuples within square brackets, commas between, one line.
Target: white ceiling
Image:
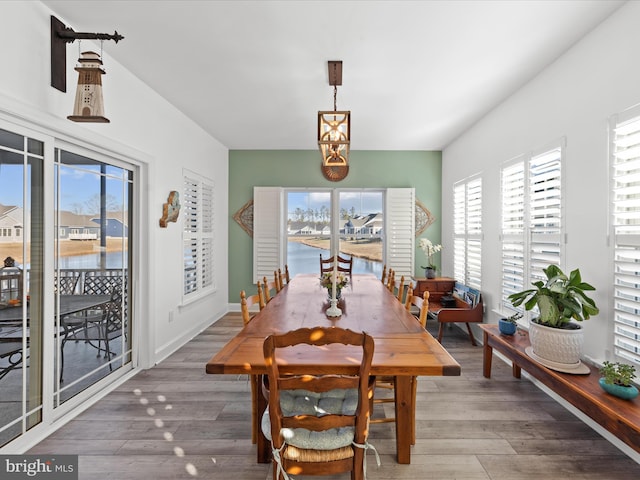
[(416, 74)]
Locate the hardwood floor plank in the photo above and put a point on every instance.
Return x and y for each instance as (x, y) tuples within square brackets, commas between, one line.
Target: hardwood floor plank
[(174, 421)]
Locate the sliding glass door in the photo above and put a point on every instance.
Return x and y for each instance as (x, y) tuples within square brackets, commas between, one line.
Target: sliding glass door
[(65, 276), (21, 283), (92, 222)]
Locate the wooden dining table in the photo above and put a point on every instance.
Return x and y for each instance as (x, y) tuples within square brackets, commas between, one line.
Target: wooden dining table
[(403, 349)]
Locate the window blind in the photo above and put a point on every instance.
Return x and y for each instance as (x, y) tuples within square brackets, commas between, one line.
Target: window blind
[(400, 230), (197, 210), (467, 232), (625, 185), (532, 233)]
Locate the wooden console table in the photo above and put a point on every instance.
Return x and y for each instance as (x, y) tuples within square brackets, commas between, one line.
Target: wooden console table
[(620, 417), (437, 287)]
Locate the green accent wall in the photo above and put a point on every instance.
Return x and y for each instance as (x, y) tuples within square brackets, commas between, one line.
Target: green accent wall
[(301, 168)]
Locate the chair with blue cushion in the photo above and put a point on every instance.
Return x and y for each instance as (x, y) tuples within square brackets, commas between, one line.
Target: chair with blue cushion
[(317, 424)]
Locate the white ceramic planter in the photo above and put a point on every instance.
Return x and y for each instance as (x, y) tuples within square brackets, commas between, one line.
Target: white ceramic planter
[(557, 345)]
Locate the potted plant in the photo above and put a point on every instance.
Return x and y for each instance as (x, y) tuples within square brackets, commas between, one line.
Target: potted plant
[(554, 337), (509, 325), (617, 380), (429, 250)]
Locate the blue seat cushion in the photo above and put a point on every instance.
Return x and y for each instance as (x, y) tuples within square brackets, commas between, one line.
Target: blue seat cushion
[(297, 402)]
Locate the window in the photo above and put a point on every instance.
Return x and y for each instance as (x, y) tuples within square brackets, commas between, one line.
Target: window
[(310, 228), (197, 208), (272, 227), (532, 232), (625, 227), (467, 231)]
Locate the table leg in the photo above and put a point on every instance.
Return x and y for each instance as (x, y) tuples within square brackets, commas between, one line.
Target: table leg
[(403, 418), (263, 445), (487, 356)]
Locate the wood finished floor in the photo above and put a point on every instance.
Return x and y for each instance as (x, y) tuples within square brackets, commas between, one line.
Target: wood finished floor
[(176, 422)]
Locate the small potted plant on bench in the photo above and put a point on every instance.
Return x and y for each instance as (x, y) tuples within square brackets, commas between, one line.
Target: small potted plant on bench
[(616, 380), (509, 325)]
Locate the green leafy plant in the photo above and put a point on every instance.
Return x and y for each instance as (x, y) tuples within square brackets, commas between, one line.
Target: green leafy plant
[(513, 318), (618, 373), (560, 298)]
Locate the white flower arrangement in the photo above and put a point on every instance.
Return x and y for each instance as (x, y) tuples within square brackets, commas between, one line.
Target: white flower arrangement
[(327, 280), (429, 250)]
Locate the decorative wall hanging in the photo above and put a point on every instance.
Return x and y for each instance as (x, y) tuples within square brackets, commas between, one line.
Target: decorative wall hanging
[(335, 173), (424, 218), (88, 105), (244, 217), (171, 209)]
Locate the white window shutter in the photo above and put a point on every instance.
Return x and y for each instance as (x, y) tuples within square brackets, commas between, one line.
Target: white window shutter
[(400, 230), (197, 213), (513, 227), (267, 231), (625, 194)]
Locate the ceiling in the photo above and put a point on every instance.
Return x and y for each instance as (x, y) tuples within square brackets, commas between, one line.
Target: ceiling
[(416, 74)]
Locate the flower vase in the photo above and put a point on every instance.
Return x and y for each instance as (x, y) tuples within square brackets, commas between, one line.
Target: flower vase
[(338, 293), (430, 272)]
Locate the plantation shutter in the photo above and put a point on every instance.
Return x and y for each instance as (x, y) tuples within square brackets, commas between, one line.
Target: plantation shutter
[(197, 211), (545, 212), (513, 260), (190, 236), (473, 276), (459, 215), (625, 176), (267, 231), (400, 230), (207, 273), (467, 232)]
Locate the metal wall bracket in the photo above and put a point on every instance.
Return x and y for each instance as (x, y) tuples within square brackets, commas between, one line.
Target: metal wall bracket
[(60, 36)]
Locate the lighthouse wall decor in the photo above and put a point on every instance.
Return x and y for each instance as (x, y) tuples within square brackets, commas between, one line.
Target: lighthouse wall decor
[(89, 105)]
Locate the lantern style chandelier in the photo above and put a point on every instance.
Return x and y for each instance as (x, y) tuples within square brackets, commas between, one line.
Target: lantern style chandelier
[(334, 127)]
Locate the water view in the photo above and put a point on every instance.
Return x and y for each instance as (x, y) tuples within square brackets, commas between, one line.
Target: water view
[(302, 258)]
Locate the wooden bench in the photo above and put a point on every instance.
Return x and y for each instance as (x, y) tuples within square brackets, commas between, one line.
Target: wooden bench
[(463, 312), (620, 417)]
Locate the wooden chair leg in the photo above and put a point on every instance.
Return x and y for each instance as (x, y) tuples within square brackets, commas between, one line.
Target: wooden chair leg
[(473, 340), (253, 379), (414, 389), (440, 332)]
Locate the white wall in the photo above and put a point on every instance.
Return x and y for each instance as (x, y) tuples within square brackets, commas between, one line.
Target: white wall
[(143, 126), (573, 98)]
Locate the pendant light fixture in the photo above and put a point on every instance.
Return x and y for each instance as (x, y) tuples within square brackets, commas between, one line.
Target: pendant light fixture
[(334, 131)]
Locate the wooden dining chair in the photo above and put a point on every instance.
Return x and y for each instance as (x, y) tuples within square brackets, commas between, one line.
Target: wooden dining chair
[(391, 280), (385, 382), (383, 278), (269, 289), (400, 290), (245, 304), (317, 424), (345, 265), (286, 274)]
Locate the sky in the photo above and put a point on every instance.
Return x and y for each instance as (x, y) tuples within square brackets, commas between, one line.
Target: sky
[(78, 186), (363, 202)]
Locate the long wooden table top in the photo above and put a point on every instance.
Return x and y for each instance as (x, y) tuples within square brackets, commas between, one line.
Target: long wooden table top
[(402, 346)]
